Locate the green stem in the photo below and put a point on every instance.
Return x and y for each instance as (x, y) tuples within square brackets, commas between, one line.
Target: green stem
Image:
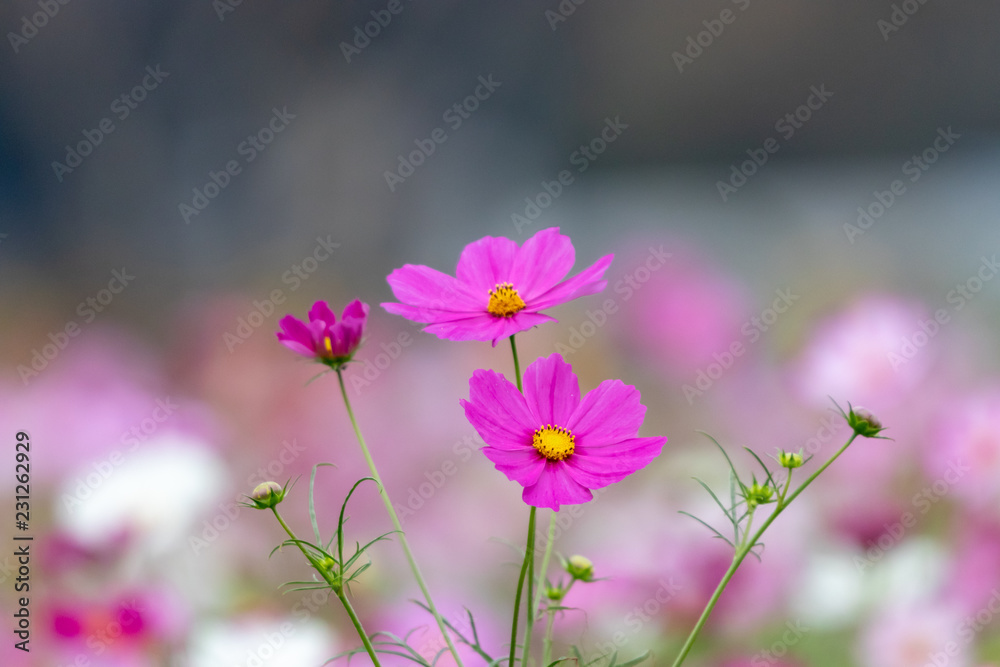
[(517, 364), (546, 557), (395, 522), (547, 644), (744, 550), (336, 586), (528, 551)]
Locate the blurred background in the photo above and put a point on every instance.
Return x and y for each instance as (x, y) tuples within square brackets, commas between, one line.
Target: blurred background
[(802, 202)]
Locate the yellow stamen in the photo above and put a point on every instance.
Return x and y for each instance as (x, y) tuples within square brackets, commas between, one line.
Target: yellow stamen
[(329, 346), (554, 442), (505, 301)]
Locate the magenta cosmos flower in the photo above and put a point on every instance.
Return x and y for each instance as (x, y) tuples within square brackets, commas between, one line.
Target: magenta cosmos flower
[(553, 443), (323, 337), (499, 290)]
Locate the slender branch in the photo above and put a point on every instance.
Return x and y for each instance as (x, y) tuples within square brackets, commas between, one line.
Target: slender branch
[(529, 549), (745, 548), (395, 522)]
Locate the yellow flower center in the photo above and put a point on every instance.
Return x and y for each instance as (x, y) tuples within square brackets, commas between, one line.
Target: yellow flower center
[(329, 346), (505, 301), (554, 442)]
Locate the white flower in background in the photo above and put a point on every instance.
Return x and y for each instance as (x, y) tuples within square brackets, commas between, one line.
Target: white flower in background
[(262, 643), (154, 493)]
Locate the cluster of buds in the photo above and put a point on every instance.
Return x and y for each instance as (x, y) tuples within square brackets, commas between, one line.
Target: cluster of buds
[(757, 494)]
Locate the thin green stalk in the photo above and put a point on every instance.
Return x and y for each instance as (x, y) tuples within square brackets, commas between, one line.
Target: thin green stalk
[(396, 524), (546, 557), (547, 644), (517, 364), (337, 587), (745, 548), (529, 549)]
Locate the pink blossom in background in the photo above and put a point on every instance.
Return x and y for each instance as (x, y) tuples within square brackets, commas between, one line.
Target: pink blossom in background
[(554, 443), (323, 337), (962, 456), (914, 637), (500, 289), (848, 355), (677, 311), (974, 579)]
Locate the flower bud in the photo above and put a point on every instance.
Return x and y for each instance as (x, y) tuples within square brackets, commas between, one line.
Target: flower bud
[(580, 567), (790, 459), (864, 423), (758, 495), (267, 495), (554, 593)]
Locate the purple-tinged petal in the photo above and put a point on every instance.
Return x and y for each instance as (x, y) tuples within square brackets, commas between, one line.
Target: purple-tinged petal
[(296, 331), (551, 390), (596, 468), (296, 346), (589, 281), (428, 289), (541, 263), (482, 326), (320, 312), (498, 411), (609, 413), (555, 487), (485, 263), (356, 309), (426, 315), (522, 466)]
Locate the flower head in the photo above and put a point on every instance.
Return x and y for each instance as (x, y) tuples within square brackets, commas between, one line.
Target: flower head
[(500, 289), (864, 423), (324, 338), (790, 460), (266, 495), (554, 443), (580, 567)]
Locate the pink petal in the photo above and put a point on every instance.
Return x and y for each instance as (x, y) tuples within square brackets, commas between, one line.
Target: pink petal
[(434, 292), (596, 468), (555, 487), (541, 263), (609, 413), (485, 263), (552, 390), (588, 281), (498, 411), (296, 335), (522, 466), (355, 309), (320, 312), (481, 326)]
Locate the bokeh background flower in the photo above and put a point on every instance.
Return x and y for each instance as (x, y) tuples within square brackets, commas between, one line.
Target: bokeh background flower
[(801, 203)]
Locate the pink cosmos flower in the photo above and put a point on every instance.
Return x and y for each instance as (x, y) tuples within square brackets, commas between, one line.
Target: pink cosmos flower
[(553, 443), (324, 338), (499, 290)]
